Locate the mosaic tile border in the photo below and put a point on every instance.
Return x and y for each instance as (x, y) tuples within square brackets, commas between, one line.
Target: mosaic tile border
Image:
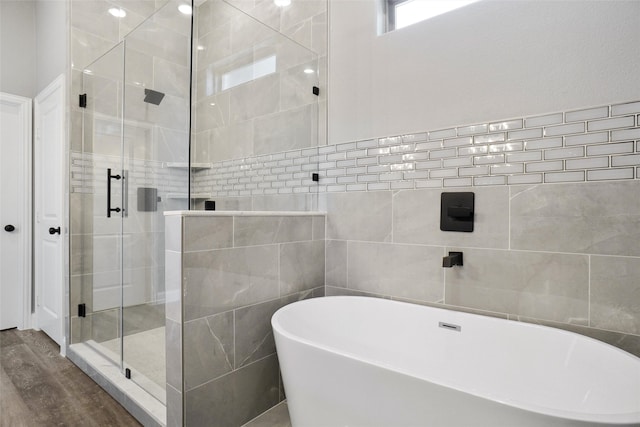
[(88, 169), (593, 144)]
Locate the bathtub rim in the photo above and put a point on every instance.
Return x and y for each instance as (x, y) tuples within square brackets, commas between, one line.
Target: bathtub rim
[(626, 418)]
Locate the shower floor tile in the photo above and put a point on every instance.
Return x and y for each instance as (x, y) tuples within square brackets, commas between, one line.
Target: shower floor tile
[(144, 353)]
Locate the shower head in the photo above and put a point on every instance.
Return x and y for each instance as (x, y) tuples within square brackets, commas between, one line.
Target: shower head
[(153, 97)]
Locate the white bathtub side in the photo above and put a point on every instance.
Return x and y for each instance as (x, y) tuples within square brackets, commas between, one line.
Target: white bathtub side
[(357, 354), (327, 389)]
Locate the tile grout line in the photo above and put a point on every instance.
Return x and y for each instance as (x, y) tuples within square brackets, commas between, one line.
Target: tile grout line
[(347, 272), (509, 196), (235, 352), (589, 290)]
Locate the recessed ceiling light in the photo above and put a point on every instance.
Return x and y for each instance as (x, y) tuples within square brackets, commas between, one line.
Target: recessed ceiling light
[(117, 12), (200, 47), (282, 3), (212, 104), (185, 8), (309, 71)]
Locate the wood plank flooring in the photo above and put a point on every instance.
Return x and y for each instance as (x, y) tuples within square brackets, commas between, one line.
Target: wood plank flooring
[(38, 387)]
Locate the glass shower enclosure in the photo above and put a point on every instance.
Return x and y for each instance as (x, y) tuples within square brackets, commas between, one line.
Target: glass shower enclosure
[(132, 167), (222, 104)]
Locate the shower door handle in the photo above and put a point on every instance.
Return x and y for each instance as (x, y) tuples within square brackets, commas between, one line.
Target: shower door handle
[(109, 178)]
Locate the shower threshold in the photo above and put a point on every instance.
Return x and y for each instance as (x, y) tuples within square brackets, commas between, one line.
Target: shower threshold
[(146, 408), (145, 357)]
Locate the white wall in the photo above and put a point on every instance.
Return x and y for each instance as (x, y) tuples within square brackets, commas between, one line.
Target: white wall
[(488, 61), (18, 47), (33, 44), (51, 41)]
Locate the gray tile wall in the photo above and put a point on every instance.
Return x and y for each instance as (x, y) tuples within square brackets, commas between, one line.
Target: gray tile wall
[(226, 276), (156, 138), (556, 221), (562, 254), (173, 326), (270, 114), (95, 242)]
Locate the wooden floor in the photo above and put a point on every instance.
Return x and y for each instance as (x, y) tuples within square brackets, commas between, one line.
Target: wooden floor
[(38, 387)]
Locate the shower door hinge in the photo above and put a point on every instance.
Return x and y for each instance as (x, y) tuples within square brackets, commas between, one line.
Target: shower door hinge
[(82, 102), (82, 310), (316, 91)]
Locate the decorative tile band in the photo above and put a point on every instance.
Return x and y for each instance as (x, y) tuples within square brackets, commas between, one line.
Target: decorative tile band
[(594, 144), (88, 174)]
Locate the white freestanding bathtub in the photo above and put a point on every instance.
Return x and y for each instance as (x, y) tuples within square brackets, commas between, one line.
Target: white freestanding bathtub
[(355, 361)]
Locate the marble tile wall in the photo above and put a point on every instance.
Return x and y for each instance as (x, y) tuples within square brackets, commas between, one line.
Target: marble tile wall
[(156, 57), (269, 114), (153, 41), (226, 276), (556, 219), (174, 319), (96, 243), (562, 254)]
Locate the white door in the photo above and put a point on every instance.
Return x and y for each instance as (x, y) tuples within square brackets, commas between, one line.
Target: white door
[(49, 194), (15, 211)]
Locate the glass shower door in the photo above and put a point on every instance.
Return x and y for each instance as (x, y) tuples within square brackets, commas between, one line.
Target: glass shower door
[(133, 166), (155, 154), (98, 176)]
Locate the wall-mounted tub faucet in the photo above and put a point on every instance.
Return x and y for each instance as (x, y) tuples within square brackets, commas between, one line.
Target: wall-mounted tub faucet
[(454, 258)]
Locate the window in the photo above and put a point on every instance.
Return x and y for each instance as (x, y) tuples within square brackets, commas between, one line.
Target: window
[(255, 70), (402, 13)]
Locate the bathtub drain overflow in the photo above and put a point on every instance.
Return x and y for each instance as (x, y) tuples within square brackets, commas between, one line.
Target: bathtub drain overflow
[(450, 326)]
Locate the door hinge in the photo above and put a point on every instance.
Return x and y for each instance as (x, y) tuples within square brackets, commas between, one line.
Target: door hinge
[(82, 310), (316, 91), (83, 100)]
